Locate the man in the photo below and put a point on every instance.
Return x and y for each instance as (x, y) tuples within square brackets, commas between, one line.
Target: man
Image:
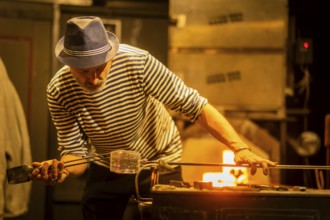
[(112, 96)]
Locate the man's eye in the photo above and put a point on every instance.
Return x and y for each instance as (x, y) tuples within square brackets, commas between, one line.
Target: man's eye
[(100, 69)]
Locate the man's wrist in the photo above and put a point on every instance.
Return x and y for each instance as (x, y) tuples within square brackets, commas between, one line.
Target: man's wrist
[(241, 149), (66, 172)]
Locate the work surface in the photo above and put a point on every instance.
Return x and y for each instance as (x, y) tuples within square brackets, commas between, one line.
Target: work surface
[(253, 202)]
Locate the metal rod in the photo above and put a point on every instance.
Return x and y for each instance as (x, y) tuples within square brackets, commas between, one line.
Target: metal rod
[(303, 167), (83, 162), (83, 159)]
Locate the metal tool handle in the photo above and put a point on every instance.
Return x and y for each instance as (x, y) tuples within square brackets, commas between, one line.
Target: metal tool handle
[(303, 167)]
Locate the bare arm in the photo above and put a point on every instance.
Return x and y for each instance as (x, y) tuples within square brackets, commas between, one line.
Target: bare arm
[(217, 125), (76, 170)]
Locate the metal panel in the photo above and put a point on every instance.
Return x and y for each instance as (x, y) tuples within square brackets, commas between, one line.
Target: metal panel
[(234, 81), (229, 23), (232, 51)]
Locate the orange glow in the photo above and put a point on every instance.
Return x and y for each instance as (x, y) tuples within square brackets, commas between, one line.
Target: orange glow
[(231, 176)]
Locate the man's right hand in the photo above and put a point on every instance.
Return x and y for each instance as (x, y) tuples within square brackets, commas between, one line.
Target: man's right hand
[(51, 172)]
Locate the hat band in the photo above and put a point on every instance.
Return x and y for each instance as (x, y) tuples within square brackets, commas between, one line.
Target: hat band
[(88, 52)]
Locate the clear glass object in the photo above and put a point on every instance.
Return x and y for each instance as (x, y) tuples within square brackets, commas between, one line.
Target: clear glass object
[(125, 161)]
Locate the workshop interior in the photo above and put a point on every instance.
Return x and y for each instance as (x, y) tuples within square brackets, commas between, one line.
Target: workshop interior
[(263, 64)]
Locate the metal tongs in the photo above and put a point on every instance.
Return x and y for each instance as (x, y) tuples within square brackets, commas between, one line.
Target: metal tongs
[(23, 173)]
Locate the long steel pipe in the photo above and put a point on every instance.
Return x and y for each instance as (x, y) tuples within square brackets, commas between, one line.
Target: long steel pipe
[(301, 167), (281, 166)]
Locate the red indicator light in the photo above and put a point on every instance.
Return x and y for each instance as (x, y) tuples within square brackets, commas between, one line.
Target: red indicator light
[(306, 45), (304, 51)]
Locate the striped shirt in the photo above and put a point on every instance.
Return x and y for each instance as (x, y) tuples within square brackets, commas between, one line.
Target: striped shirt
[(129, 113)]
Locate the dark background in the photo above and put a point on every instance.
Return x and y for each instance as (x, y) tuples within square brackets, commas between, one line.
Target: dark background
[(309, 20)]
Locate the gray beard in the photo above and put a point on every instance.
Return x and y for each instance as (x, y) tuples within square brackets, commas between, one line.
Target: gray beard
[(94, 88)]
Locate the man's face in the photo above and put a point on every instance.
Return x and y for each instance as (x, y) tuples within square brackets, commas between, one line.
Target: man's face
[(92, 79)]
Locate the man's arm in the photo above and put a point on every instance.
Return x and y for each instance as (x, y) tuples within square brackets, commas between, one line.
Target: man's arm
[(217, 125), (76, 170)]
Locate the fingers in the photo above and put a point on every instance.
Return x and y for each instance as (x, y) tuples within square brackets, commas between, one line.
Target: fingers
[(253, 167), (36, 164), (36, 173), (54, 170), (63, 173), (50, 172), (44, 171), (264, 166), (254, 161), (51, 181)]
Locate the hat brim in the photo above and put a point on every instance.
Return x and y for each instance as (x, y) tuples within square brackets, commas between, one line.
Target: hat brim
[(87, 61)]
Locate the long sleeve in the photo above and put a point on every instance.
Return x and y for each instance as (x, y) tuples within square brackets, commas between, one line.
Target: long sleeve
[(15, 148)]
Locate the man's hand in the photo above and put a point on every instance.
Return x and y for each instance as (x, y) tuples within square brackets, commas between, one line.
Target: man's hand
[(51, 172), (246, 156)]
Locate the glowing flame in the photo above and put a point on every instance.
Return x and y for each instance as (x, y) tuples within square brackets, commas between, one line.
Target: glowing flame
[(231, 176)]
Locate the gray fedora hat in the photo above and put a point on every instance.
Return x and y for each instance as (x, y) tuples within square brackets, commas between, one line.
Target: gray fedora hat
[(86, 43)]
